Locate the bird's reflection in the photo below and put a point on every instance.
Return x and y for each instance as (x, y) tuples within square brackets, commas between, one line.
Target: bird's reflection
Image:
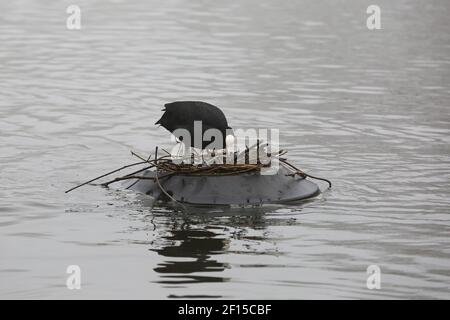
[(193, 244), (200, 247)]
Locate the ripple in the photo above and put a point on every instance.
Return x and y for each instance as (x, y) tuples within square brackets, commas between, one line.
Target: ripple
[(368, 112)]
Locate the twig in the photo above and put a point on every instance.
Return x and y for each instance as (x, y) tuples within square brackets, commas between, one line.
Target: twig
[(148, 159), (168, 153), (138, 156), (135, 177), (128, 175), (160, 186), (104, 175), (304, 174)]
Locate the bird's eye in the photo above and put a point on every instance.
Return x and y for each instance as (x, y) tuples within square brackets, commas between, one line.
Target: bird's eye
[(180, 138)]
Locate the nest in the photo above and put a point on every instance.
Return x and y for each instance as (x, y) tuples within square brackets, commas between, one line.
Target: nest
[(210, 170), (216, 165)]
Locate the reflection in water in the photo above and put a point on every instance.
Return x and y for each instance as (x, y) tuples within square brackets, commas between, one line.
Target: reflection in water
[(193, 243), (200, 247), (366, 109)]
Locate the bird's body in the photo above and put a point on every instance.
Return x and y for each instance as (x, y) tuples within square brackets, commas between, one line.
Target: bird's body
[(185, 115)]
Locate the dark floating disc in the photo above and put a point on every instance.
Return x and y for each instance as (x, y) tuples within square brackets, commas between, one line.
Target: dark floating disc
[(242, 189)]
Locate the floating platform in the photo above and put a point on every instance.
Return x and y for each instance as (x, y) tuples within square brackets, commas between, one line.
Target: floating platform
[(250, 188)]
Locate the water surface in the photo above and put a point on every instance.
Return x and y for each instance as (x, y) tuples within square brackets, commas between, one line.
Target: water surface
[(367, 109)]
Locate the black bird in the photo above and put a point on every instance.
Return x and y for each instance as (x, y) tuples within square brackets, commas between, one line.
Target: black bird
[(182, 114)]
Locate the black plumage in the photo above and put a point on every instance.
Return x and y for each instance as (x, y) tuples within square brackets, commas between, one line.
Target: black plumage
[(183, 114)]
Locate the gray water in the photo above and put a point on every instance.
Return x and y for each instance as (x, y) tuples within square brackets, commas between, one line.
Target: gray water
[(368, 109)]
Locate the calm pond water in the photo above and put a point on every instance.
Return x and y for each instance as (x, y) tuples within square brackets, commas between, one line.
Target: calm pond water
[(367, 109)]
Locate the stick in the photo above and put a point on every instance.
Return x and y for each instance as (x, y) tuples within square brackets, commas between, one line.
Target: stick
[(135, 177), (106, 174), (138, 156), (301, 173), (159, 184), (128, 175), (148, 159)]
